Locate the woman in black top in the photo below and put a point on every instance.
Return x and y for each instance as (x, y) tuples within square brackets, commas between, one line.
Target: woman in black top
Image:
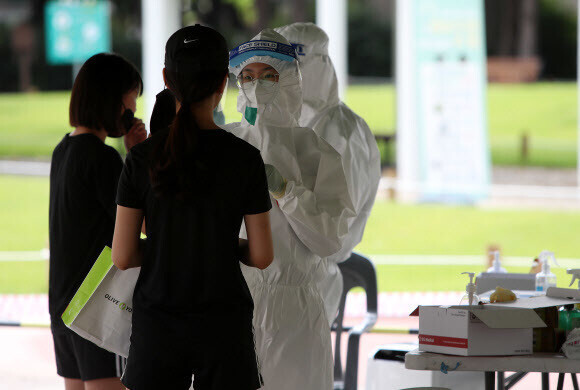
[(83, 184), (193, 184)]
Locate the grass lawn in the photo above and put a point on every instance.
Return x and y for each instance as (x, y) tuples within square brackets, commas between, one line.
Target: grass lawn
[(446, 230), (546, 111), (32, 124), (24, 277), (24, 213), (392, 229)]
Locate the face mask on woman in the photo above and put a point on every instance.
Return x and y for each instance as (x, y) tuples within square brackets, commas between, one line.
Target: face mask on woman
[(261, 92)]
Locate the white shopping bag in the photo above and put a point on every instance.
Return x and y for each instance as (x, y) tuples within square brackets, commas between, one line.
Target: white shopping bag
[(102, 307)]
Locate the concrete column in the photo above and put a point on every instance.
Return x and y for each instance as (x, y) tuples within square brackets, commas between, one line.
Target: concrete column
[(331, 16), (407, 136), (160, 19)]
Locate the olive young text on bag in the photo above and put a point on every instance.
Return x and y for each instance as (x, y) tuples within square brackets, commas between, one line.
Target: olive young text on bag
[(101, 309)]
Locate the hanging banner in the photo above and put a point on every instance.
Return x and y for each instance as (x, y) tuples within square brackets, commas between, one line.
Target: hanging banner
[(442, 143), (76, 30)]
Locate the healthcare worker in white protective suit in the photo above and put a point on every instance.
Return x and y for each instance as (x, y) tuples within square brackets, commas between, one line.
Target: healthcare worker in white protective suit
[(347, 132), (309, 219)]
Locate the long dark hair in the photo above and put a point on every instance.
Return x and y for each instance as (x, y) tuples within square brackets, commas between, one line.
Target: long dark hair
[(196, 60)]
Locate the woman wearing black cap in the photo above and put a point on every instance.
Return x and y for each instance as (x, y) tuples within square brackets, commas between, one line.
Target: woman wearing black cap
[(193, 183)]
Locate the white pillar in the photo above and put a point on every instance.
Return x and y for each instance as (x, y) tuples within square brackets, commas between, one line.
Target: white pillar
[(160, 19), (407, 137), (331, 16)]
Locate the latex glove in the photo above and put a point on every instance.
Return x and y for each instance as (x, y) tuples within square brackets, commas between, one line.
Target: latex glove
[(276, 183), (135, 135), (502, 295)]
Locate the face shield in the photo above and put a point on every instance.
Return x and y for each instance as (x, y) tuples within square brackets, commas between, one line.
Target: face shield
[(269, 81)]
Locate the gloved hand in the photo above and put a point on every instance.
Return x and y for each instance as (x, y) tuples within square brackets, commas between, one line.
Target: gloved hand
[(276, 183)]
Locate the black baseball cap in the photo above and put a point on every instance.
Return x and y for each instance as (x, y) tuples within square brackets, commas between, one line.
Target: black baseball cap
[(196, 48)]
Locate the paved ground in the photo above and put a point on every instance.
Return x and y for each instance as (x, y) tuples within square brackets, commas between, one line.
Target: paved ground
[(27, 358), (532, 176), (518, 187), (535, 176), (23, 167), (512, 187)]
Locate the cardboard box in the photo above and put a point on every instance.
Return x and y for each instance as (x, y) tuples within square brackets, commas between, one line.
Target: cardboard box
[(546, 339), (476, 331), (487, 330)]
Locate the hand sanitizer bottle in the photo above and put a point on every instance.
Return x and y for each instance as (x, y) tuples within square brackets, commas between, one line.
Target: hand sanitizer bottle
[(496, 265), (545, 278), (469, 298)]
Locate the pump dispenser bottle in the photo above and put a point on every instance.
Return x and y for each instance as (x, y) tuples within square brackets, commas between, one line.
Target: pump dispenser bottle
[(545, 278), (496, 265), (469, 298)]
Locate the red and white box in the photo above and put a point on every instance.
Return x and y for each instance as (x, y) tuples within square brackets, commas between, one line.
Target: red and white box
[(487, 330), (481, 331)]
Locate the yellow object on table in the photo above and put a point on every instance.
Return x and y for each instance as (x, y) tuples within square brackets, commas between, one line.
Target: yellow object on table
[(502, 295)]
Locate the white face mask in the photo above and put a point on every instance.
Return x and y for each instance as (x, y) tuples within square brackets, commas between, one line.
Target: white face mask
[(261, 92)]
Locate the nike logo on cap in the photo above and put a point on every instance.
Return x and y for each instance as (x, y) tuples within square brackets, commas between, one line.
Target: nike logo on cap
[(191, 40)]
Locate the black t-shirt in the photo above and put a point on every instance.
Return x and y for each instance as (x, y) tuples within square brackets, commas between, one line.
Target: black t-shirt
[(83, 183), (190, 266)]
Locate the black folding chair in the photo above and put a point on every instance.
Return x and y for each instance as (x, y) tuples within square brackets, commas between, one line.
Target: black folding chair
[(357, 271)]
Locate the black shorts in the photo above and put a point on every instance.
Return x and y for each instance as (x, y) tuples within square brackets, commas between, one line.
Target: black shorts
[(77, 358), (165, 356)]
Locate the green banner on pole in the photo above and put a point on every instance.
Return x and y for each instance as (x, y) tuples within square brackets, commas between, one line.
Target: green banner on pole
[(76, 30)]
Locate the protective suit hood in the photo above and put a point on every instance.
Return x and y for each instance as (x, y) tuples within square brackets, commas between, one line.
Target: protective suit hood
[(284, 102), (346, 132), (320, 85)]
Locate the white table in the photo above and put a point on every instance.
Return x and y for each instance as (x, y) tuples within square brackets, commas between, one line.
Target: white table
[(545, 363)]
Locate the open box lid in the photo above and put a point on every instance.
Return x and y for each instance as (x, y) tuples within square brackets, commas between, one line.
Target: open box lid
[(500, 317), (508, 318)]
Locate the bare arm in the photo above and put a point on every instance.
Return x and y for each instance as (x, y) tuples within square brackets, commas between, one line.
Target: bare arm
[(127, 247), (260, 250)]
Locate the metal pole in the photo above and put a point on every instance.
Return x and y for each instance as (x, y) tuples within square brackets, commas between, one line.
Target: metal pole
[(160, 19), (331, 16), (578, 102)]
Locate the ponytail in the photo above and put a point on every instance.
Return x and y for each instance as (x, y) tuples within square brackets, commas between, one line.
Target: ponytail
[(174, 168)]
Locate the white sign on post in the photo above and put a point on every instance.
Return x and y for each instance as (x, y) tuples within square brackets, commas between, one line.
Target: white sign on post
[(442, 145)]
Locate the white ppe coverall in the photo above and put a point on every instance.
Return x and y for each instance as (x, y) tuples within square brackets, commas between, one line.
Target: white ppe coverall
[(347, 132), (309, 221)]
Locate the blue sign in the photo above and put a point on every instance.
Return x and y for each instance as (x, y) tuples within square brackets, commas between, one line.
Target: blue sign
[(76, 30)]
